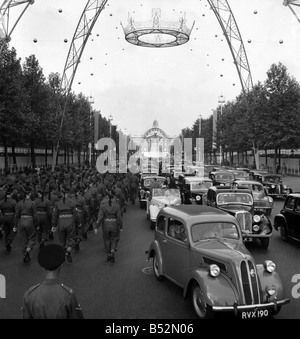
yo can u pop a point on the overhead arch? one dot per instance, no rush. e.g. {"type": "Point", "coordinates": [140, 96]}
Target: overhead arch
{"type": "Point", "coordinates": [90, 15]}
{"type": "Point", "coordinates": [6, 28]}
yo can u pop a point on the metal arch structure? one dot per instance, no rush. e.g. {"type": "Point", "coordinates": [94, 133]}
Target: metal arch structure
{"type": "Point", "coordinates": [83, 30]}
{"type": "Point", "coordinates": [5, 29]}
{"type": "Point", "coordinates": [234, 39]}
{"type": "Point", "coordinates": [288, 3]}
{"type": "Point", "coordinates": [89, 17]}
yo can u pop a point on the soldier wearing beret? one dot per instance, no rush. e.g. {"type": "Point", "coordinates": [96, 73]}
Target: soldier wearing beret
{"type": "Point", "coordinates": [51, 299]}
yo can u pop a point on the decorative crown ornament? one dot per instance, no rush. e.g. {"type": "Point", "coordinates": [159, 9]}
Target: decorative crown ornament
{"type": "Point", "coordinates": [157, 33]}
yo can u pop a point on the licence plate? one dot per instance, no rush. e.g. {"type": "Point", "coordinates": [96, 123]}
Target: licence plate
{"type": "Point", "coordinates": [254, 314]}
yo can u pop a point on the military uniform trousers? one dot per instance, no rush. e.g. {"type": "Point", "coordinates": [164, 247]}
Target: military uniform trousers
{"type": "Point", "coordinates": [111, 234]}
{"type": "Point", "coordinates": [80, 225]}
{"type": "Point", "coordinates": [27, 230]}
{"type": "Point", "coordinates": [67, 231]}
{"type": "Point", "coordinates": [8, 225]}
{"type": "Point", "coordinates": [43, 228]}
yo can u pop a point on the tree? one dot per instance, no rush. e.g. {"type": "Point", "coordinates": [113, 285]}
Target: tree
{"type": "Point", "coordinates": [13, 100]}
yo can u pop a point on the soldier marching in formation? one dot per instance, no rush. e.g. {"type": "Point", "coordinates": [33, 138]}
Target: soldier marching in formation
{"type": "Point", "coordinates": [64, 204]}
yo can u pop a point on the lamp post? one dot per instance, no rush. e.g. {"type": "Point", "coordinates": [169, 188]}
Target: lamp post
{"type": "Point", "coordinates": [221, 101]}
{"type": "Point", "coordinates": [110, 119]}
{"type": "Point", "coordinates": [91, 101]}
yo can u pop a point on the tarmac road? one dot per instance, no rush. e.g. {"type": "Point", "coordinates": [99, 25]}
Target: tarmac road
{"type": "Point", "coordinates": [128, 288]}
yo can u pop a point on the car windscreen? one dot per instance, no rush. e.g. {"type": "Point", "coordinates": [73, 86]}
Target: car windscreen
{"type": "Point", "coordinates": [198, 185]}
{"type": "Point", "coordinates": [208, 230]}
{"type": "Point", "coordinates": [224, 176]}
{"type": "Point", "coordinates": [272, 179]}
{"type": "Point", "coordinates": [234, 198]}
{"type": "Point", "coordinates": [161, 192]}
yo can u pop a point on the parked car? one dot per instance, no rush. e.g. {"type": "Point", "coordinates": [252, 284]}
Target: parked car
{"type": "Point", "coordinates": [201, 250]}
{"type": "Point", "coordinates": [222, 177]}
{"type": "Point", "coordinates": [262, 201]}
{"type": "Point", "coordinates": [239, 202]}
{"type": "Point", "coordinates": [239, 174]}
{"type": "Point", "coordinates": [287, 222]}
{"type": "Point", "coordinates": [144, 188]}
{"type": "Point", "coordinates": [161, 197]}
{"type": "Point", "coordinates": [194, 190]}
{"type": "Point", "coordinates": [273, 184]}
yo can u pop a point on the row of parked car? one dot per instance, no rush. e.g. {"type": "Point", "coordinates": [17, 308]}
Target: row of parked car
{"type": "Point", "coordinates": [201, 229]}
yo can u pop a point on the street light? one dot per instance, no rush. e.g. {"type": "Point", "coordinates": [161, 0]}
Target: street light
{"type": "Point", "coordinates": [91, 101]}
{"type": "Point", "coordinates": [221, 101]}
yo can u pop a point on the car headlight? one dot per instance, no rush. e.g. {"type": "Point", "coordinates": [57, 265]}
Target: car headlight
{"type": "Point", "coordinates": [270, 200]}
{"type": "Point", "coordinates": [271, 290]}
{"type": "Point", "coordinates": [269, 266]}
{"type": "Point", "coordinates": [255, 228]}
{"type": "Point", "coordinates": [256, 218]}
{"type": "Point", "coordinates": [198, 198]}
{"type": "Point", "coordinates": [222, 184]}
{"type": "Point", "coordinates": [273, 186]}
{"type": "Point", "coordinates": [214, 270]}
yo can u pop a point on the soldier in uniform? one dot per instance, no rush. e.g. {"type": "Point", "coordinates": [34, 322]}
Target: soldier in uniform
{"type": "Point", "coordinates": [51, 299]}
{"type": "Point", "coordinates": [7, 210]}
{"type": "Point", "coordinates": [64, 218]}
{"type": "Point", "coordinates": [44, 217]}
{"type": "Point", "coordinates": [26, 221]}
{"type": "Point", "coordinates": [111, 221]}
{"type": "Point", "coordinates": [82, 214]}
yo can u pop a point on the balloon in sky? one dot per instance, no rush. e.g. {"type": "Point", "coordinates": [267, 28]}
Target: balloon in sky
{"type": "Point", "coordinates": [280, 41]}
{"type": "Point", "coordinates": [34, 40]}
{"type": "Point", "coordinates": [66, 40]}
{"type": "Point", "coordinates": [60, 10]}
{"type": "Point", "coordinates": [255, 12]}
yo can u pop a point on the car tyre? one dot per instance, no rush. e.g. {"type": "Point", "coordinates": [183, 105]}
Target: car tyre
{"type": "Point", "coordinates": [273, 312]}
{"type": "Point", "coordinates": [201, 308]}
{"type": "Point", "coordinates": [264, 242]}
{"type": "Point", "coordinates": [158, 276]}
{"type": "Point", "coordinates": [283, 232]}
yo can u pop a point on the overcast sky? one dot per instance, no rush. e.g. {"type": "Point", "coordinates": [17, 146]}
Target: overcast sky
{"type": "Point", "coordinates": [173, 85]}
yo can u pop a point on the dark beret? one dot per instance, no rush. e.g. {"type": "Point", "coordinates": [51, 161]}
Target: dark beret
{"type": "Point", "coordinates": [51, 257]}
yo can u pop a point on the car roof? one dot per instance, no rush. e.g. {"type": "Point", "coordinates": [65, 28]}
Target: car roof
{"type": "Point", "coordinates": [251, 182]}
{"type": "Point", "coordinates": [195, 178]}
{"type": "Point", "coordinates": [194, 210]}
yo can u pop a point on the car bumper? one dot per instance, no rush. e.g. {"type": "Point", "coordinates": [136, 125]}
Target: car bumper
{"type": "Point", "coordinates": [239, 308]}
{"type": "Point", "coordinates": [245, 235]}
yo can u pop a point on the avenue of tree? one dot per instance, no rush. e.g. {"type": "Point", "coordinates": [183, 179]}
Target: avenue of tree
{"type": "Point", "coordinates": [265, 118]}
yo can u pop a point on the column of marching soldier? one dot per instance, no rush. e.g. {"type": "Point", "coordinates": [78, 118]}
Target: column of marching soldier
{"type": "Point", "coordinates": [69, 202]}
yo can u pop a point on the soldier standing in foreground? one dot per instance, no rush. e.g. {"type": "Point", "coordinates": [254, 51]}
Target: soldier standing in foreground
{"type": "Point", "coordinates": [50, 299]}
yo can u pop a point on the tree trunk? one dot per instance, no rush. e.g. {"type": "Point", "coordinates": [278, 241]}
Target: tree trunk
{"type": "Point", "coordinates": [65, 155]}
{"type": "Point", "coordinates": [33, 162]}
{"type": "Point", "coordinates": [13, 147]}
{"type": "Point", "coordinates": [266, 157]}
{"type": "Point", "coordinates": [67, 151]}
{"type": "Point", "coordinates": [46, 156]}
{"type": "Point", "coordinates": [5, 154]}
{"type": "Point", "coordinates": [79, 155]}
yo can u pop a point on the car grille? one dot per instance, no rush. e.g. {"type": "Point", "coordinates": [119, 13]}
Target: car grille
{"type": "Point", "coordinates": [250, 283]}
{"type": "Point", "coordinates": [245, 220]}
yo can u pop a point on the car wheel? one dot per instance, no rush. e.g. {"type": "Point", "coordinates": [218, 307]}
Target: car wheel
{"type": "Point", "coordinates": [264, 242]}
{"type": "Point", "coordinates": [152, 225]}
{"type": "Point", "coordinates": [158, 276]}
{"type": "Point", "coordinates": [283, 232]}
{"type": "Point", "coordinates": [201, 308]}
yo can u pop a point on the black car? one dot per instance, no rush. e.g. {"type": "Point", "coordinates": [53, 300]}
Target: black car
{"type": "Point", "coordinates": [194, 190]}
{"type": "Point", "coordinates": [273, 185]}
{"type": "Point", "coordinates": [287, 222]}
{"type": "Point", "coordinates": [222, 177]}
{"type": "Point", "coordinates": [239, 202]}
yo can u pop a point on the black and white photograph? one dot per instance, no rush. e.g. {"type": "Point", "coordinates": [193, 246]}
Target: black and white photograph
{"type": "Point", "coordinates": [150, 162]}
